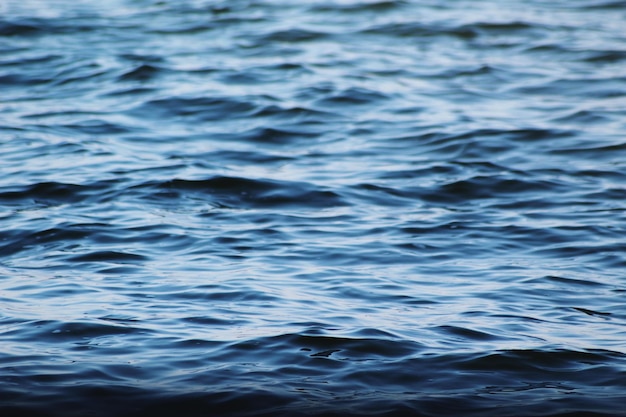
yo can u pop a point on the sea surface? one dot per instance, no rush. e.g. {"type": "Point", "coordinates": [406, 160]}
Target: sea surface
{"type": "Point", "coordinates": [312, 208]}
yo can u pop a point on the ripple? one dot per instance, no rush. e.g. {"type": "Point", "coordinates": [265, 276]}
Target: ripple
{"type": "Point", "coordinates": [243, 192]}
{"type": "Point", "coordinates": [205, 109]}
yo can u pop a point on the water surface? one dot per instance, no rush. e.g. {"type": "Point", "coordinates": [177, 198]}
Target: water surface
{"type": "Point", "coordinates": [307, 208]}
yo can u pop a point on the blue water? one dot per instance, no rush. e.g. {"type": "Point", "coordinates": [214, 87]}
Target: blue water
{"type": "Point", "coordinates": [312, 208]}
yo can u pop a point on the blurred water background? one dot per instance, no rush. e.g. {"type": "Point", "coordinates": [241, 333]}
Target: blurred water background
{"type": "Point", "coordinates": [312, 207]}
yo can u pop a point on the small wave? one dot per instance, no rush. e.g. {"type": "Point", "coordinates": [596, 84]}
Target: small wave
{"type": "Point", "coordinates": [380, 6]}
{"type": "Point", "coordinates": [488, 187]}
{"type": "Point", "coordinates": [108, 256]}
{"type": "Point", "coordinates": [291, 35]}
{"type": "Point", "coordinates": [55, 193]}
{"type": "Point", "coordinates": [243, 192]}
{"type": "Point", "coordinates": [418, 30]}
{"type": "Point", "coordinates": [200, 108]}
{"type": "Point", "coordinates": [143, 72]}
{"type": "Point", "coordinates": [30, 27]}
{"type": "Point", "coordinates": [351, 97]}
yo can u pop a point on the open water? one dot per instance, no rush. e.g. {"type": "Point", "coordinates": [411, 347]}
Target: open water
{"type": "Point", "coordinates": [312, 208]}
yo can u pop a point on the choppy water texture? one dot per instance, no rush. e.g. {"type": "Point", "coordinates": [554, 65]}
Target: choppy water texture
{"type": "Point", "coordinates": [316, 207]}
